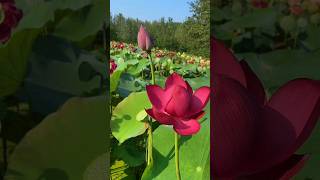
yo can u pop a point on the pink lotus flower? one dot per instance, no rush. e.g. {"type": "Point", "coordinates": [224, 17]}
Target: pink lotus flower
{"type": "Point", "coordinates": [178, 105]}
{"type": "Point", "coordinates": [113, 66]}
{"type": "Point", "coordinates": [12, 16]}
{"type": "Point", "coordinates": [252, 137]}
{"type": "Point", "coordinates": [121, 45]}
{"type": "Point", "coordinates": [261, 4]}
{"type": "Point", "coordinates": [144, 40]}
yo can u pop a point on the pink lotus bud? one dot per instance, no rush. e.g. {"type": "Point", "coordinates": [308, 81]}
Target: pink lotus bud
{"type": "Point", "coordinates": [144, 40]}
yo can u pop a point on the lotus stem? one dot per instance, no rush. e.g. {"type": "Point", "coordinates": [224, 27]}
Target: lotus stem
{"type": "Point", "coordinates": [152, 70]}
{"type": "Point", "coordinates": [176, 137]}
{"type": "Point", "coordinates": [150, 137]}
{"type": "Point", "coordinates": [150, 141]}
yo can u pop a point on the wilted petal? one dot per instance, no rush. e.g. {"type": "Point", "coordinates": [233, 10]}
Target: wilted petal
{"type": "Point", "coordinates": [225, 63]}
{"type": "Point", "coordinates": [199, 100]}
{"type": "Point", "coordinates": [188, 127]}
{"type": "Point", "coordinates": [161, 117]}
{"type": "Point", "coordinates": [179, 103]}
{"type": "Point", "coordinates": [284, 171]}
{"type": "Point", "coordinates": [254, 85]}
{"type": "Point", "coordinates": [233, 124]}
{"type": "Point", "coordinates": [299, 102]}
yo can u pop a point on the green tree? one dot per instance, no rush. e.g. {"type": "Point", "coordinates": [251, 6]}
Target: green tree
{"type": "Point", "coordinates": [191, 36]}
{"type": "Point", "coordinates": [198, 28]}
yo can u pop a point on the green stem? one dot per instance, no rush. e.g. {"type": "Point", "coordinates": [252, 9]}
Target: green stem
{"type": "Point", "coordinates": [142, 74]}
{"type": "Point", "coordinates": [150, 138]}
{"type": "Point", "coordinates": [150, 141]}
{"type": "Point", "coordinates": [176, 136]}
{"type": "Point", "coordinates": [152, 70]}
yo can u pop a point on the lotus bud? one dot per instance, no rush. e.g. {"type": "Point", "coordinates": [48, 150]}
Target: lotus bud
{"type": "Point", "coordinates": [144, 40]}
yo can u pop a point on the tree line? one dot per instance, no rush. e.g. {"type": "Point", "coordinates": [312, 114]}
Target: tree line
{"type": "Point", "coordinates": [191, 36]}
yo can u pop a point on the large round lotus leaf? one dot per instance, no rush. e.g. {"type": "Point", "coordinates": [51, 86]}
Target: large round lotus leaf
{"type": "Point", "coordinates": [65, 144]}
{"type": "Point", "coordinates": [37, 13]}
{"type": "Point", "coordinates": [124, 123]}
{"type": "Point", "coordinates": [88, 21]}
{"type": "Point", "coordinates": [13, 60]}
{"type": "Point", "coordinates": [97, 169]}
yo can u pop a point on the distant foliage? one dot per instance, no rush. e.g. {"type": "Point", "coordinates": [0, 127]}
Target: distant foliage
{"type": "Point", "coordinates": [191, 36]}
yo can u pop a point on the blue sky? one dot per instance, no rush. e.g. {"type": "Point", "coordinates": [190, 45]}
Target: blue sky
{"type": "Point", "coordinates": [179, 10]}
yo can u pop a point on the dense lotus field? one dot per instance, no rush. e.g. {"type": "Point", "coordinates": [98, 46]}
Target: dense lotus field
{"type": "Point", "coordinates": [165, 62]}
{"type": "Point", "coordinates": [130, 73]}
